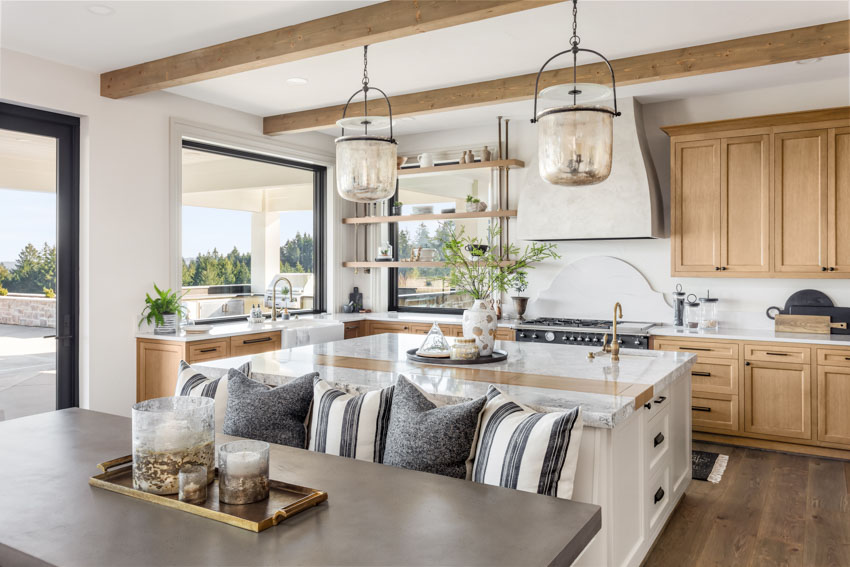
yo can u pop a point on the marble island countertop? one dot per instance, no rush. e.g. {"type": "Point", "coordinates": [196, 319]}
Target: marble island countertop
{"type": "Point", "coordinates": [535, 374]}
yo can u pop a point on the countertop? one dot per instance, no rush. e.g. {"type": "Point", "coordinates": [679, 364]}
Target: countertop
{"type": "Point", "coordinates": [539, 375]}
{"type": "Point", "coordinates": [375, 514]}
{"type": "Point", "coordinates": [752, 335]}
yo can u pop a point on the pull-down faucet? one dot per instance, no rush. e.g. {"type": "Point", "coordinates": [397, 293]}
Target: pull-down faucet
{"type": "Point", "coordinates": [275, 281]}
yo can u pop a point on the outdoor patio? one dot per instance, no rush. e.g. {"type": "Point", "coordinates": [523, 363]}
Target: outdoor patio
{"type": "Point", "coordinates": [27, 371]}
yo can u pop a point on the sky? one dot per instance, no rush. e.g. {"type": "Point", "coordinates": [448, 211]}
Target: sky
{"type": "Point", "coordinates": [25, 216]}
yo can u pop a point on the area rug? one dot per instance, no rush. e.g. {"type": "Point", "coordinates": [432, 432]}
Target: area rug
{"type": "Point", "coordinates": [708, 466]}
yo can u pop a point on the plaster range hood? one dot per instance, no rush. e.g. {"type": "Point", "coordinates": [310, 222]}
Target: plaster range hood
{"type": "Point", "coordinates": [626, 205]}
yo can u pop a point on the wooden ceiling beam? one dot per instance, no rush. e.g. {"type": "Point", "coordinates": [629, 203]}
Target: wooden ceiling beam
{"type": "Point", "coordinates": [743, 53]}
{"type": "Point", "coordinates": [338, 32]}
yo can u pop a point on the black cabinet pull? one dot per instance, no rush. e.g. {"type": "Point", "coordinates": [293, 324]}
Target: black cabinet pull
{"type": "Point", "coordinates": [831, 268]}
{"type": "Point", "coordinates": [647, 405]}
{"type": "Point", "coordinates": [847, 358]}
{"type": "Point", "coordinates": [778, 353]}
{"type": "Point", "coordinates": [659, 495]}
{"type": "Point", "coordinates": [716, 268]}
{"type": "Point", "coordinates": [659, 439]}
{"type": "Point", "coordinates": [253, 341]}
{"type": "Point", "coordinates": [700, 373]}
{"type": "Point", "coordinates": [701, 408]}
{"type": "Point", "coordinates": [723, 268]}
{"type": "Point", "coordinates": [747, 363]}
{"type": "Point", "coordinates": [660, 399]}
{"type": "Point", "coordinates": [823, 268]}
{"type": "Point", "coordinates": [208, 349]}
{"type": "Point", "coordinates": [694, 348]}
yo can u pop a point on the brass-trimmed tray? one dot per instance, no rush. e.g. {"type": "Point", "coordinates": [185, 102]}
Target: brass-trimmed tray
{"type": "Point", "coordinates": [284, 501]}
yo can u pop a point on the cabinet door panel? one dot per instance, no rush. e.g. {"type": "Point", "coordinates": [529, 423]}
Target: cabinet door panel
{"type": "Point", "coordinates": [777, 399]}
{"type": "Point", "coordinates": [696, 228]}
{"type": "Point", "coordinates": [834, 404]}
{"type": "Point", "coordinates": [800, 195]}
{"type": "Point", "coordinates": [157, 363]}
{"type": "Point", "coordinates": [839, 200]}
{"type": "Point", "coordinates": [745, 204]}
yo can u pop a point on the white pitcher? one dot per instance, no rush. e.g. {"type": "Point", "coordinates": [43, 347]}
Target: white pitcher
{"type": "Point", "coordinates": [426, 160]}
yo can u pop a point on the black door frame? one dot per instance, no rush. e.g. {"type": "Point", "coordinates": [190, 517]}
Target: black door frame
{"type": "Point", "coordinates": [66, 130]}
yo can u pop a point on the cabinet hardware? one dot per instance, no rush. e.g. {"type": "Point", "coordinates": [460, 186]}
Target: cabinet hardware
{"type": "Point", "coordinates": [660, 399]}
{"type": "Point", "coordinates": [659, 439]}
{"type": "Point", "coordinates": [647, 405]}
{"type": "Point", "coordinates": [701, 408]}
{"type": "Point", "coordinates": [659, 495]}
{"type": "Point", "coordinates": [351, 328]}
{"type": "Point", "coordinates": [695, 348]}
{"type": "Point", "coordinates": [723, 268]}
{"type": "Point", "coordinates": [747, 363]}
{"type": "Point", "coordinates": [847, 358]}
{"type": "Point", "coordinates": [823, 268]}
{"type": "Point", "coordinates": [253, 341]}
{"type": "Point", "coordinates": [778, 353]}
{"type": "Point", "coordinates": [208, 349]}
{"type": "Point", "coordinates": [832, 268]}
{"type": "Point", "coordinates": [701, 374]}
{"type": "Point", "coordinates": [716, 268]}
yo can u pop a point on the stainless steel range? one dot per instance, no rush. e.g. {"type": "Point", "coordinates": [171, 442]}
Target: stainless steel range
{"type": "Point", "coordinates": [587, 332]}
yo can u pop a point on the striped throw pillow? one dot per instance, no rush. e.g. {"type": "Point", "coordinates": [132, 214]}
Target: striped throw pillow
{"type": "Point", "coordinates": [527, 450]}
{"type": "Point", "coordinates": [190, 382]}
{"type": "Point", "coordinates": [349, 425]}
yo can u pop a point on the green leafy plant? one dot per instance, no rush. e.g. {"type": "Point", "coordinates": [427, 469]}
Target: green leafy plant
{"type": "Point", "coordinates": [166, 303]}
{"type": "Point", "coordinates": [484, 271]}
{"type": "Point", "coordinates": [472, 199]}
{"type": "Point", "coordinates": [49, 293]}
{"type": "Point", "coordinates": [397, 204]}
{"type": "Point", "coordinates": [519, 282]}
{"type": "Point", "coordinates": [3, 290]}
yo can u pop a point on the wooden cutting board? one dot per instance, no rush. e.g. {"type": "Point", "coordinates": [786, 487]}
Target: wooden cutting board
{"type": "Point", "coordinates": [806, 324]}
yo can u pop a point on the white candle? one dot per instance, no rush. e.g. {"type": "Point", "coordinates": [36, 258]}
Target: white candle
{"type": "Point", "coordinates": [244, 463]}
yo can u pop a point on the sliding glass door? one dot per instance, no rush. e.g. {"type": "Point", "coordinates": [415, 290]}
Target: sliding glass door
{"type": "Point", "coordinates": [39, 261]}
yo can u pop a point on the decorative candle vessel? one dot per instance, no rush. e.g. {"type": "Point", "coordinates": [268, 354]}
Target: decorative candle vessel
{"type": "Point", "coordinates": [169, 434]}
{"type": "Point", "coordinates": [479, 323]}
{"type": "Point", "coordinates": [192, 482]}
{"type": "Point", "coordinates": [243, 472]}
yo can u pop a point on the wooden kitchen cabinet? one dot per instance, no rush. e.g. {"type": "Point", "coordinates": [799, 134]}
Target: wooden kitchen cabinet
{"type": "Point", "coordinates": [255, 344]}
{"type": "Point", "coordinates": [767, 196]}
{"type": "Point", "coordinates": [777, 399]}
{"type": "Point", "coordinates": [353, 329]}
{"type": "Point", "coordinates": [834, 404]}
{"type": "Point", "coordinates": [449, 330]}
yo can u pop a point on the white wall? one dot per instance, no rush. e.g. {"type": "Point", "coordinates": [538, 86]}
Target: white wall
{"type": "Point", "coordinates": [747, 298]}
{"type": "Point", "coordinates": [124, 208]}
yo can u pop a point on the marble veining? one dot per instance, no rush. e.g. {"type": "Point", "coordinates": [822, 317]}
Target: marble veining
{"type": "Point", "coordinates": [753, 335]}
{"type": "Point", "coordinates": [652, 368]}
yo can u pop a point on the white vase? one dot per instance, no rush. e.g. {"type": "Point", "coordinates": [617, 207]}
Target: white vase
{"type": "Point", "coordinates": [480, 323]}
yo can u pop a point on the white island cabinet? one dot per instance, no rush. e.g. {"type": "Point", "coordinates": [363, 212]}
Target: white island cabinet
{"type": "Point", "coordinates": [635, 455]}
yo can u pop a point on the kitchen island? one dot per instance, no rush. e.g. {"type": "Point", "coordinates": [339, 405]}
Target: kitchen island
{"type": "Point", "coordinates": [635, 455]}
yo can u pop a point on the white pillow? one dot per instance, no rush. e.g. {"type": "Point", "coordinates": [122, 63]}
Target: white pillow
{"type": "Point", "coordinates": [350, 425]}
{"type": "Point", "coordinates": [190, 382]}
{"type": "Point", "coordinates": [527, 450]}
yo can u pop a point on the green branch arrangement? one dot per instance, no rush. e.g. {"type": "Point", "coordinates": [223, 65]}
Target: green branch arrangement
{"type": "Point", "coordinates": [483, 272]}
{"type": "Point", "coordinates": [166, 303]}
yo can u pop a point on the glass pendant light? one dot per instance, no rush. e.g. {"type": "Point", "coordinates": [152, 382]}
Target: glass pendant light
{"type": "Point", "coordinates": [575, 141]}
{"type": "Point", "coordinates": [366, 168]}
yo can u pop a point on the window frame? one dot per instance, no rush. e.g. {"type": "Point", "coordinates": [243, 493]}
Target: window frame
{"type": "Point", "coordinates": [320, 173]}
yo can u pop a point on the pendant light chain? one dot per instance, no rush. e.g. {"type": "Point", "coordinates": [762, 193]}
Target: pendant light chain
{"type": "Point", "coordinates": [574, 41]}
{"type": "Point", "coordinates": [365, 83]}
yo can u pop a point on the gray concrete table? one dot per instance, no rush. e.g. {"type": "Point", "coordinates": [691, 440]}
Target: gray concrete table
{"type": "Point", "coordinates": [375, 514]}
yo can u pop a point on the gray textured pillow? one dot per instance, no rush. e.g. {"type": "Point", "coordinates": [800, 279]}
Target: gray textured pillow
{"type": "Point", "coordinates": [424, 437]}
{"type": "Point", "coordinates": [275, 415]}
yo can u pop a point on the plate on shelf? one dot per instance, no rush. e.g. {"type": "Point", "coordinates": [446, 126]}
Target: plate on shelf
{"type": "Point", "coordinates": [197, 329]}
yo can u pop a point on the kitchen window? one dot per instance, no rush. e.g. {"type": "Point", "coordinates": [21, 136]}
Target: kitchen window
{"type": "Point", "coordinates": [247, 218]}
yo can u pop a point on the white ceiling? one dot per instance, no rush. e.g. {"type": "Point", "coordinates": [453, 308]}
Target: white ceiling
{"type": "Point", "coordinates": [498, 47]}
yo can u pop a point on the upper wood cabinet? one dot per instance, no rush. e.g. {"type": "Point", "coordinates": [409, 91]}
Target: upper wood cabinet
{"type": "Point", "coordinates": [762, 197]}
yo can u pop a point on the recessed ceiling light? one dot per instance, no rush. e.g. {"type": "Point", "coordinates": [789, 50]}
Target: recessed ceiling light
{"type": "Point", "coordinates": [101, 9]}
{"type": "Point", "coordinates": [296, 81]}
{"type": "Point", "coordinates": [807, 61]}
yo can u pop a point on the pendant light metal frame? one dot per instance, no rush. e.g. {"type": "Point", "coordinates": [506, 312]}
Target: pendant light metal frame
{"type": "Point", "coordinates": [365, 90]}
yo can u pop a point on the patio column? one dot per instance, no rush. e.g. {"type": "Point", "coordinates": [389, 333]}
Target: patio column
{"type": "Point", "coordinates": [265, 249]}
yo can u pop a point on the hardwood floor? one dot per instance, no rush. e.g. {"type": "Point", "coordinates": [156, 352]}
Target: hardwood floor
{"type": "Point", "coordinates": [770, 509]}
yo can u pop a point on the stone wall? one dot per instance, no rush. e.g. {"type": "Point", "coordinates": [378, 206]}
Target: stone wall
{"type": "Point", "coordinates": [29, 311]}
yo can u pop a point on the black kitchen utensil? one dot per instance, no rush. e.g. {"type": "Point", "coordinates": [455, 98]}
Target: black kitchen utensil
{"type": "Point", "coordinates": [836, 314]}
{"type": "Point", "coordinates": [803, 298]}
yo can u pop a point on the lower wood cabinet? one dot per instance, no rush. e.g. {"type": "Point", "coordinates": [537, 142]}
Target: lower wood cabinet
{"type": "Point", "coordinates": [833, 400]}
{"type": "Point", "coordinates": [778, 399]}
{"type": "Point", "coordinates": [353, 330]}
{"type": "Point", "coordinates": [714, 411]}
{"type": "Point", "coordinates": [255, 344]}
{"type": "Point", "coordinates": [378, 327]}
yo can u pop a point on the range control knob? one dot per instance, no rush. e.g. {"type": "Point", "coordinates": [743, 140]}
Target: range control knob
{"type": "Point", "coordinates": [572, 338]}
{"type": "Point", "coordinates": [550, 336]}
{"type": "Point", "coordinates": [619, 341]}
{"type": "Point", "coordinates": [522, 335]}
{"type": "Point", "coordinates": [534, 336]}
{"type": "Point", "coordinates": [587, 339]}
{"type": "Point", "coordinates": [595, 339]}
{"type": "Point", "coordinates": [637, 342]}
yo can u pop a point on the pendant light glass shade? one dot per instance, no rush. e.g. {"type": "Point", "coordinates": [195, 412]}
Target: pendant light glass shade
{"type": "Point", "coordinates": [575, 144]}
{"type": "Point", "coordinates": [366, 168]}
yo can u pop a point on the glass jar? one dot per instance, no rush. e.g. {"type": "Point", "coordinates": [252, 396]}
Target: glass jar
{"type": "Point", "coordinates": [464, 349]}
{"type": "Point", "coordinates": [679, 306]}
{"type": "Point", "coordinates": [366, 168]}
{"type": "Point", "coordinates": [169, 434]}
{"type": "Point", "coordinates": [692, 312]}
{"type": "Point", "coordinates": [575, 144]}
{"type": "Point", "coordinates": [708, 312]}
{"type": "Point", "coordinates": [243, 472]}
{"type": "Point", "coordinates": [193, 484]}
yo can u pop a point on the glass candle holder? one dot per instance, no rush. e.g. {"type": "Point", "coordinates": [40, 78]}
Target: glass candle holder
{"type": "Point", "coordinates": [193, 484]}
{"type": "Point", "coordinates": [464, 349]}
{"type": "Point", "coordinates": [243, 472]}
{"type": "Point", "coordinates": [169, 434]}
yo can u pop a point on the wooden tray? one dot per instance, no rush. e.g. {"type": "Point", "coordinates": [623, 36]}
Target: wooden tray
{"type": "Point", "coordinates": [497, 356]}
{"type": "Point", "coordinates": [285, 500]}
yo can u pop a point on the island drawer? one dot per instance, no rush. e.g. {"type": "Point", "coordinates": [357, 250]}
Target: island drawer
{"type": "Point", "coordinates": [773, 353]}
{"type": "Point", "coordinates": [656, 405]}
{"type": "Point", "coordinates": [658, 495]}
{"type": "Point", "coordinates": [379, 327]}
{"type": "Point", "coordinates": [698, 347]}
{"type": "Point", "coordinates": [715, 375]}
{"type": "Point", "coordinates": [352, 329]}
{"type": "Point", "coordinates": [254, 344]}
{"type": "Point", "coordinates": [505, 334]}
{"type": "Point", "coordinates": [834, 357]}
{"type": "Point", "coordinates": [718, 411]}
{"type": "Point", "coordinates": [658, 441]}
{"type": "Point", "coordinates": [207, 350]}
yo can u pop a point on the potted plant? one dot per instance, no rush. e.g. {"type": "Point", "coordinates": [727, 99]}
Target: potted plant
{"type": "Point", "coordinates": [520, 284]}
{"type": "Point", "coordinates": [474, 204]}
{"type": "Point", "coordinates": [484, 273]}
{"type": "Point", "coordinates": [163, 310]}
{"type": "Point", "coordinates": [396, 208]}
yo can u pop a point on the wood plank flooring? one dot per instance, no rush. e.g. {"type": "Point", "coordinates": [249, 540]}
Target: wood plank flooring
{"type": "Point", "coordinates": [770, 509]}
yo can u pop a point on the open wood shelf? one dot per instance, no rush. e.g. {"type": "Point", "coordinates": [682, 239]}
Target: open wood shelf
{"type": "Point", "coordinates": [402, 264]}
{"type": "Point", "coordinates": [432, 216]}
{"type": "Point", "coordinates": [509, 163]}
